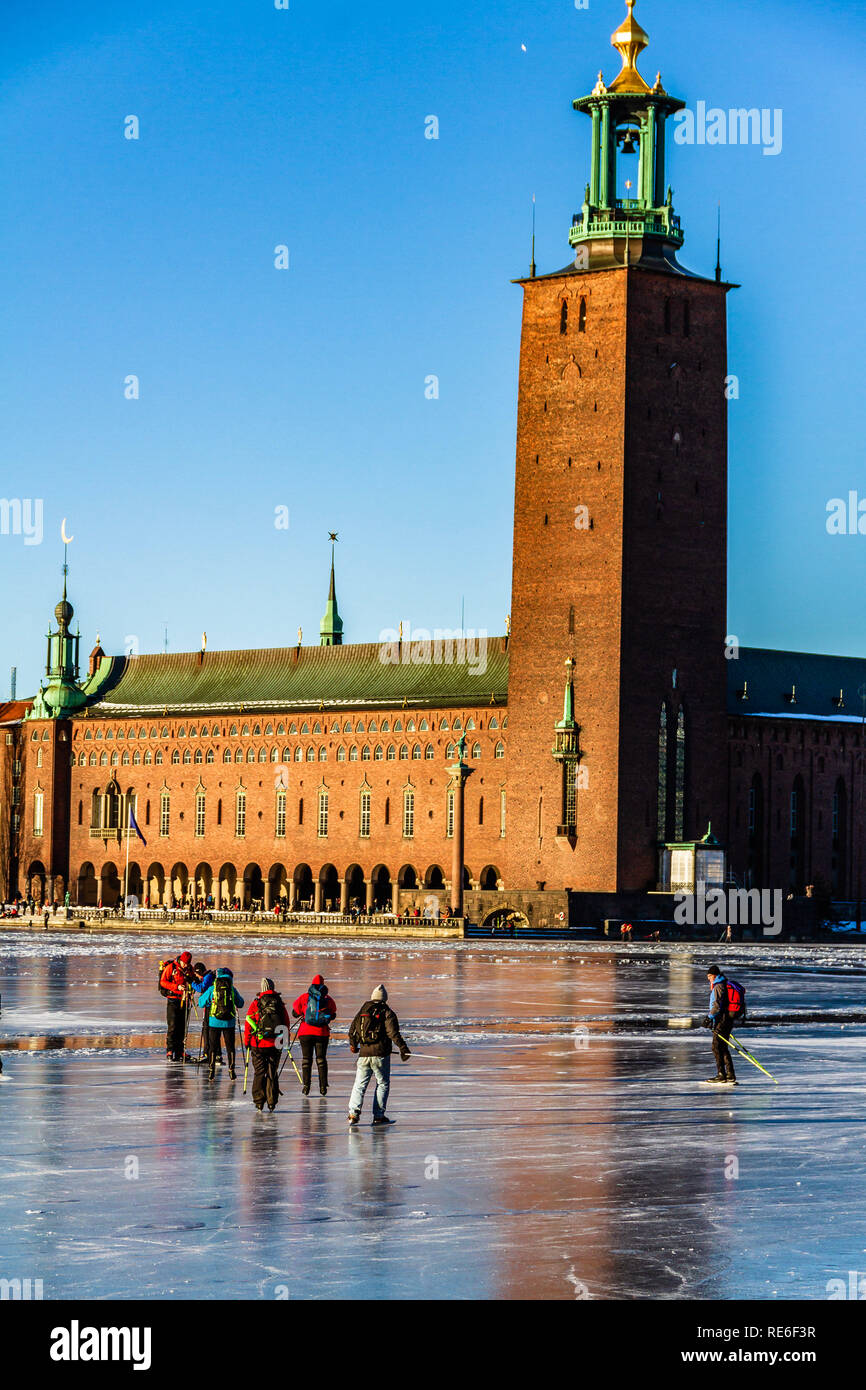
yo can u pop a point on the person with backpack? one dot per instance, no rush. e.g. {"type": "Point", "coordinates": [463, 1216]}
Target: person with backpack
{"type": "Point", "coordinates": [175, 983]}
{"type": "Point", "coordinates": [202, 980]}
{"type": "Point", "coordinates": [267, 1016]}
{"type": "Point", "coordinates": [374, 1031]}
{"type": "Point", "coordinates": [316, 1009]}
{"type": "Point", "coordinates": [220, 1003]}
{"type": "Point", "coordinates": [727, 1007]}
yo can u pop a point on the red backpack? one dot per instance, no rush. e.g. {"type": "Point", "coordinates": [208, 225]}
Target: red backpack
{"type": "Point", "coordinates": [736, 998]}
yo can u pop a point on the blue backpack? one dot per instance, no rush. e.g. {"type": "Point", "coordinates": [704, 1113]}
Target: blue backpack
{"type": "Point", "coordinates": [314, 1013]}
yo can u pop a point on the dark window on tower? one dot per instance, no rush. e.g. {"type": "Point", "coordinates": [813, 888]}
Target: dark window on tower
{"type": "Point", "coordinates": [387, 810]}
{"type": "Point", "coordinates": [80, 813]}
{"type": "Point", "coordinates": [147, 813]}
{"type": "Point", "coordinates": [581, 318]}
{"type": "Point", "coordinates": [219, 810]}
{"type": "Point", "coordinates": [662, 829]}
{"type": "Point", "coordinates": [481, 810]}
{"type": "Point", "coordinates": [680, 788]}
{"type": "Point", "coordinates": [301, 811]}
{"type": "Point", "coordinates": [667, 315]}
{"type": "Point", "coordinates": [563, 317]}
{"type": "Point", "coordinates": [571, 619]}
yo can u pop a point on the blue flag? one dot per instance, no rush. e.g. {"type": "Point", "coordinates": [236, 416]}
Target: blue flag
{"type": "Point", "coordinates": [133, 825]}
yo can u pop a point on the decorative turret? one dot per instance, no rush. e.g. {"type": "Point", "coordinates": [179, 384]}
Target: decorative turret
{"type": "Point", "coordinates": [331, 626]}
{"type": "Point", "coordinates": [567, 752]}
{"type": "Point", "coordinates": [60, 694]}
{"type": "Point", "coordinates": [628, 117]}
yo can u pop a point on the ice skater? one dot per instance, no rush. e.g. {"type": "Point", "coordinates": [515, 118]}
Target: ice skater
{"type": "Point", "coordinates": [374, 1031]}
{"type": "Point", "coordinates": [175, 983]}
{"type": "Point", "coordinates": [727, 1007]}
{"type": "Point", "coordinates": [316, 1010]}
{"type": "Point", "coordinates": [220, 1003]}
{"type": "Point", "coordinates": [262, 1027]}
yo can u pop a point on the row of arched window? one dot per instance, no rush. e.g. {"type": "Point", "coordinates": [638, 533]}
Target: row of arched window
{"type": "Point", "coordinates": [353, 754]}
{"type": "Point", "coordinates": [581, 316]}
{"type": "Point", "coordinates": [360, 726]}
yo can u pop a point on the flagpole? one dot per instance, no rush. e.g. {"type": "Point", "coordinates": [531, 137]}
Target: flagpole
{"type": "Point", "coordinates": [126, 871]}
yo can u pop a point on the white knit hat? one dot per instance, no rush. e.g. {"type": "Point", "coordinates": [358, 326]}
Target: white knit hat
{"type": "Point", "coordinates": [380, 994]}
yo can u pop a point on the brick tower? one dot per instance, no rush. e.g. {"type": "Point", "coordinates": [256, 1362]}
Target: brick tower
{"type": "Point", "coordinates": [619, 526]}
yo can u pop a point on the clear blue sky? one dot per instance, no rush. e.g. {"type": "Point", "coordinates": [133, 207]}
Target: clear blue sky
{"type": "Point", "coordinates": [305, 388]}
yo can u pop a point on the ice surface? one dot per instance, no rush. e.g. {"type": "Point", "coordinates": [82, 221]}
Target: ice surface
{"type": "Point", "coordinates": [570, 1163]}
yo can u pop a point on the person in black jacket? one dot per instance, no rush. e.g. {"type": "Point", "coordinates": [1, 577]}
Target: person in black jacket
{"type": "Point", "coordinates": [374, 1031]}
{"type": "Point", "coordinates": [720, 1020]}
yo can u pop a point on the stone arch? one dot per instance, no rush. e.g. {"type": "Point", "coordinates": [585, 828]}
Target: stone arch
{"type": "Point", "coordinates": [202, 885]}
{"type": "Point", "coordinates": [383, 890]}
{"type": "Point", "coordinates": [154, 891]}
{"type": "Point", "coordinates": [329, 887]}
{"type": "Point", "coordinates": [407, 877]}
{"type": "Point", "coordinates": [135, 882]}
{"type": "Point", "coordinates": [254, 886]}
{"type": "Point", "coordinates": [277, 886]}
{"type": "Point", "coordinates": [88, 885]}
{"type": "Point", "coordinates": [356, 887]}
{"type": "Point", "coordinates": [227, 885]}
{"type": "Point", "coordinates": [489, 880]}
{"type": "Point", "coordinates": [109, 884]}
{"type": "Point", "coordinates": [434, 877]}
{"type": "Point", "coordinates": [36, 881]}
{"type": "Point", "coordinates": [505, 919]}
{"type": "Point", "coordinates": [303, 881]}
{"type": "Point", "coordinates": [178, 885]}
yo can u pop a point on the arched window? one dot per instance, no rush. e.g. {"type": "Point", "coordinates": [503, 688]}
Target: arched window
{"type": "Point", "coordinates": [563, 317]}
{"type": "Point", "coordinates": [240, 813]}
{"type": "Point", "coordinates": [404, 752]}
{"type": "Point", "coordinates": [322, 829]}
{"type": "Point", "coordinates": [311, 755]}
{"type": "Point", "coordinates": [299, 754]}
{"type": "Point", "coordinates": [227, 755]}
{"type": "Point", "coordinates": [391, 754]}
{"type": "Point", "coordinates": [429, 752]}
{"type": "Point", "coordinates": [199, 756]}
{"type": "Point", "coordinates": [199, 814]}
{"type": "Point", "coordinates": [280, 823]}
{"type": "Point", "coordinates": [476, 750]}
{"type": "Point", "coordinates": [416, 751]}
{"type": "Point", "coordinates": [365, 754]}
{"type": "Point", "coordinates": [38, 812]}
{"type": "Point", "coordinates": [364, 814]}
{"type": "Point", "coordinates": [450, 752]}
{"type": "Point", "coordinates": [209, 757]}
{"type": "Point", "coordinates": [581, 317]}
{"type": "Point", "coordinates": [341, 754]}
{"type": "Point", "coordinates": [164, 813]}
{"type": "Point", "coordinates": [187, 755]}
{"type": "Point", "coordinates": [353, 754]}
{"type": "Point", "coordinates": [275, 755]}
{"type": "Point", "coordinates": [323, 754]}
{"type": "Point", "coordinates": [499, 750]}
{"type": "Point", "coordinates": [378, 753]}
{"type": "Point", "coordinates": [408, 814]}
{"type": "Point", "coordinates": [263, 755]}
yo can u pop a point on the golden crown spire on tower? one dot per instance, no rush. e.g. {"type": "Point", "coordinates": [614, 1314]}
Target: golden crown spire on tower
{"type": "Point", "coordinates": [629, 40]}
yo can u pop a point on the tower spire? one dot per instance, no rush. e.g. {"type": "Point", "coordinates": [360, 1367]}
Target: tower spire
{"type": "Point", "coordinates": [331, 626]}
{"type": "Point", "coordinates": [719, 243]}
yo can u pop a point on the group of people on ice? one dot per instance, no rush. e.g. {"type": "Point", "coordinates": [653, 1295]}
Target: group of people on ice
{"type": "Point", "coordinates": [193, 989]}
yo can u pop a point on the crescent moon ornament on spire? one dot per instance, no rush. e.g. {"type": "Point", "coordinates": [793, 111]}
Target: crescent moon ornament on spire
{"type": "Point", "coordinates": [67, 540]}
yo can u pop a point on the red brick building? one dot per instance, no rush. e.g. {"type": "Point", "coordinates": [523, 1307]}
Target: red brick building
{"type": "Point", "coordinates": [612, 720]}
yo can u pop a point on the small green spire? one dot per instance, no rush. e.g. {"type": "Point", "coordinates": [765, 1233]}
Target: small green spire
{"type": "Point", "coordinates": [567, 721]}
{"type": "Point", "coordinates": [331, 626]}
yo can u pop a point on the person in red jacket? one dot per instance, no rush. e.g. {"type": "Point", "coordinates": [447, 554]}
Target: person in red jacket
{"type": "Point", "coordinates": [315, 1009]}
{"type": "Point", "coordinates": [175, 982]}
{"type": "Point", "coordinates": [266, 1029]}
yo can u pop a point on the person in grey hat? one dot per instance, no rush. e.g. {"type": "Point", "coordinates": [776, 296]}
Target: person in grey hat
{"type": "Point", "coordinates": [374, 1032]}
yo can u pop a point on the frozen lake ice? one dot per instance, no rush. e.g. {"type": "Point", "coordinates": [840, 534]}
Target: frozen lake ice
{"type": "Point", "coordinates": [555, 1144]}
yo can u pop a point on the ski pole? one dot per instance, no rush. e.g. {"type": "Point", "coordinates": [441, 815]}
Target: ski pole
{"type": "Point", "coordinates": [289, 1049]}
{"type": "Point", "coordinates": [749, 1058]}
{"type": "Point", "coordinates": [246, 1065]}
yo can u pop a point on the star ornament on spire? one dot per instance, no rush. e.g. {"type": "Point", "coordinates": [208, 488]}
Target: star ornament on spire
{"type": "Point", "coordinates": [332, 536]}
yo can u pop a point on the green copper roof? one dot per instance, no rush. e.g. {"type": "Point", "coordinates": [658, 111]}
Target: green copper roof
{"type": "Point", "coordinates": [287, 678]}
{"type": "Point", "coordinates": [770, 679]}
